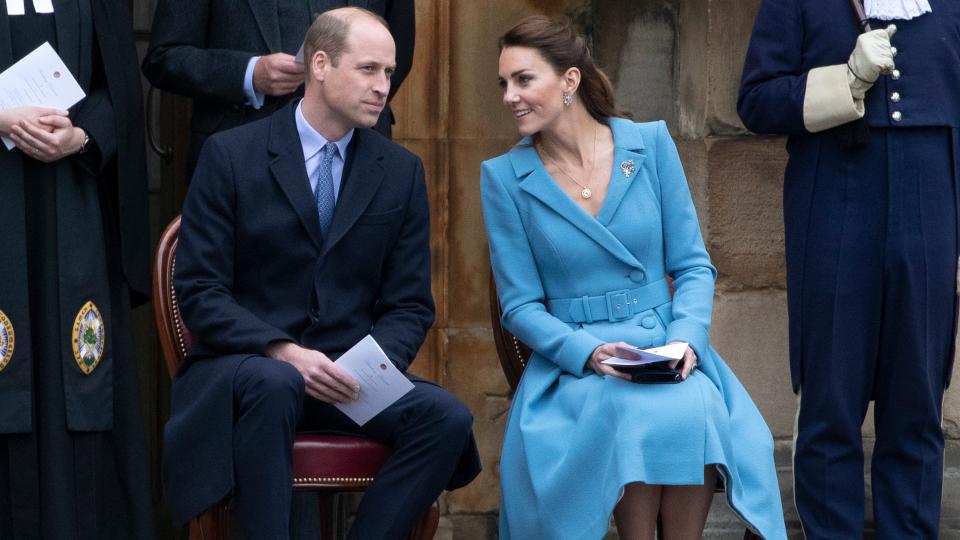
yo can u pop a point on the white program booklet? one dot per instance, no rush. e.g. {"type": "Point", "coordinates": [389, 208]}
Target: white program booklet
{"type": "Point", "coordinates": [633, 356]}
{"type": "Point", "coordinates": [381, 383]}
{"type": "Point", "coordinates": [39, 79]}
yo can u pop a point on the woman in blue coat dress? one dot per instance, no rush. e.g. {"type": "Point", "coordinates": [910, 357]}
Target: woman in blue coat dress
{"type": "Point", "coordinates": [586, 215]}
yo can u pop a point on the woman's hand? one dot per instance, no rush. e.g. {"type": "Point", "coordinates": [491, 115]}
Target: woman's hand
{"type": "Point", "coordinates": [601, 353]}
{"type": "Point", "coordinates": [50, 138]}
{"type": "Point", "coordinates": [689, 362]}
{"type": "Point", "coordinates": [17, 115]}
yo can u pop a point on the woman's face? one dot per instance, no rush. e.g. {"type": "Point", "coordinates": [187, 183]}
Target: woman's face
{"type": "Point", "coordinates": [532, 90]}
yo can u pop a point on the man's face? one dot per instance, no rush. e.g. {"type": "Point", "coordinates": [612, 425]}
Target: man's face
{"type": "Point", "coordinates": [355, 90]}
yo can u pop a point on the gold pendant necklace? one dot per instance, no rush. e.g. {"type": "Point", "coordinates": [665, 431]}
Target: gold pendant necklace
{"type": "Point", "coordinates": [585, 191]}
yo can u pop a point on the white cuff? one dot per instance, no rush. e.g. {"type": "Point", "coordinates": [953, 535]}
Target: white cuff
{"type": "Point", "coordinates": [254, 98]}
{"type": "Point", "coordinates": [828, 101]}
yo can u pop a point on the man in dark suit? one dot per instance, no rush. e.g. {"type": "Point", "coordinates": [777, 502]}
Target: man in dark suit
{"type": "Point", "coordinates": [870, 215]}
{"type": "Point", "coordinates": [235, 59]}
{"type": "Point", "coordinates": [302, 233]}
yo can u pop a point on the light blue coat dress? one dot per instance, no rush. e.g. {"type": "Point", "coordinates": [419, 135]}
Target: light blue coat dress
{"type": "Point", "coordinates": [569, 282]}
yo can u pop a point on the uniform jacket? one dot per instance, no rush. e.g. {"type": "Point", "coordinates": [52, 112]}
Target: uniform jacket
{"type": "Point", "coordinates": [200, 49]}
{"type": "Point", "coordinates": [791, 37]}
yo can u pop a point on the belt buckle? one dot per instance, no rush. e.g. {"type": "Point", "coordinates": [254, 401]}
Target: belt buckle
{"type": "Point", "coordinates": [618, 304]}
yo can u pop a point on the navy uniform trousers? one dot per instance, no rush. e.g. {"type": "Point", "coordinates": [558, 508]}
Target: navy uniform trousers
{"type": "Point", "coordinates": [877, 322]}
{"type": "Point", "coordinates": [427, 429]}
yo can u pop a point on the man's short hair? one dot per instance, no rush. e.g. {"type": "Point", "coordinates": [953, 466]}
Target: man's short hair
{"type": "Point", "coordinates": [329, 31]}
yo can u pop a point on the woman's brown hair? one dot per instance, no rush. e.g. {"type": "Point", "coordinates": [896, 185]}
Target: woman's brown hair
{"type": "Point", "coordinates": [563, 48]}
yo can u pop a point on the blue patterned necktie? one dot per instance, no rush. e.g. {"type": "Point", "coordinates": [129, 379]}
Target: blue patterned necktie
{"type": "Point", "coordinates": [325, 199]}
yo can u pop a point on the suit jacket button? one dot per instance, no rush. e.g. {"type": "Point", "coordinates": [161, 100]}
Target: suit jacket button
{"type": "Point", "coordinates": [314, 314]}
{"type": "Point", "coordinates": [648, 322]}
{"type": "Point", "coordinates": [637, 276]}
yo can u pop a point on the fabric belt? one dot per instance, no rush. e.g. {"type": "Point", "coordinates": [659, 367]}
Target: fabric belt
{"type": "Point", "coordinates": [611, 306]}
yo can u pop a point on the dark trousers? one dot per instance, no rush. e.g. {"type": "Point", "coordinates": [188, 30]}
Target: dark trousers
{"type": "Point", "coordinates": [877, 323]}
{"type": "Point", "coordinates": [427, 429]}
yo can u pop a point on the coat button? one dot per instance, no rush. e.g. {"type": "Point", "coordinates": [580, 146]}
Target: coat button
{"type": "Point", "coordinates": [894, 51]}
{"type": "Point", "coordinates": [895, 75]}
{"type": "Point", "coordinates": [637, 276]}
{"type": "Point", "coordinates": [648, 322]}
{"type": "Point", "coordinates": [315, 314]}
{"type": "Point", "coordinates": [895, 97]}
{"type": "Point", "coordinates": [897, 116]}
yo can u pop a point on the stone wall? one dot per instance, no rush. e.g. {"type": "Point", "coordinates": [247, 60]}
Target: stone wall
{"type": "Point", "coordinates": [679, 60]}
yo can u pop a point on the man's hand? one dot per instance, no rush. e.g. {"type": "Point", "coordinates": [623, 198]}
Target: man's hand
{"type": "Point", "coordinates": [323, 378]}
{"type": "Point", "coordinates": [872, 57]}
{"type": "Point", "coordinates": [277, 74]}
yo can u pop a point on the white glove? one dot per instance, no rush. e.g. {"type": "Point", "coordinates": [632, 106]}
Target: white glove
{"type": "Point", "coordinates": [872, 56]}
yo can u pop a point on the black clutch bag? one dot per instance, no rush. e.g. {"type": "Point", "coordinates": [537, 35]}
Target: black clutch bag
{"type": "Point", "coordinates": [655, 372]}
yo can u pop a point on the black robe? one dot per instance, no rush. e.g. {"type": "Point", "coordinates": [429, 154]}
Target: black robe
{"type": "Point", "coordinates": [73, 460]}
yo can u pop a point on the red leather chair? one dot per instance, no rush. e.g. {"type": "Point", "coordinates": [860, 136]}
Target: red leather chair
{"type": "Point", "coordinates": [328, 464]}
{"type": "Point", "coordinates": [514, 355]}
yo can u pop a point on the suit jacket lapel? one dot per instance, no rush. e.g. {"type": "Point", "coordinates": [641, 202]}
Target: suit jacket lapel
{"type": "Point", "coordinates": [288, 170]}
{"type": "Point", "coordinates": [537, 182]}
{"type": "Point", "coordinates": [365, 174]}
{"type": "Point", "coordinates": [265, 13]}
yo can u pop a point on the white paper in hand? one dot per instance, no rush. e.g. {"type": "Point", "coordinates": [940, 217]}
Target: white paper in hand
{"type": "Point", "coordinates": [633, 356]}
{"type": "Point", "coordinates": [39, 79]}
{"type": "Point", "coordinates": [381, 383]}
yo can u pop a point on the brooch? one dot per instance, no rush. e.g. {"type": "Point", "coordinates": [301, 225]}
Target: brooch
{"type": "Point", "coordinates": [627, 168]}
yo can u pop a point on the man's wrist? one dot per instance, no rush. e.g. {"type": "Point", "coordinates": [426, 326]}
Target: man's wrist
{"type": "Point", "coordinates": [278, 349]}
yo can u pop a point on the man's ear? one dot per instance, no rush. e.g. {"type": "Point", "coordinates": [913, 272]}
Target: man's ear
{"type": "Point", "coordinates": [319, 64]}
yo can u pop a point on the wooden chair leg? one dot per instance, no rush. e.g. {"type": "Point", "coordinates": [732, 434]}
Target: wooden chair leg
{"type": "Point", "coordinates": [214, 524]}
{"type": "Point", "coordinates": [426, 528]}
{"type": "Point", "coordinates": [328, 516]}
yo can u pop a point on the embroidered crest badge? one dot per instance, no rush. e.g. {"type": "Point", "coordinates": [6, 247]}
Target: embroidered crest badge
{"type": "Point", "coordinates": [7, 340]}
{"type": "Point", "coordinates": [627, 167]}
{"type": "Point", "coordinates": [88, 338]}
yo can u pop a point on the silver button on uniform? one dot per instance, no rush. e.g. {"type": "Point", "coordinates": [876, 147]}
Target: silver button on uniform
{"type": "Point", "coordinates": [895, 97]}
{"type": "Point", "coordinates": [893, 51]}
{"type": "Point", "coordinates": [895, 75]}
{"type": "Point", "coordinates": [896, 116]}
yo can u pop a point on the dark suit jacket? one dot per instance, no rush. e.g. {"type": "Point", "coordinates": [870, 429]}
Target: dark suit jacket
{"type": "Point", "coordinates": [200, 49]}
{"type": "Point", "coordinates": [252, 267]}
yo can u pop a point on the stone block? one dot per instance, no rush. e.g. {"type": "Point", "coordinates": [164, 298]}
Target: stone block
{"type": "Point", "coordinates": [731, 22]}
{"type": "Point", "coordinates": [750, 333]}
{"type": "Point", "coordinates": [746, 210]}
{"type": "Point", "coordinates": [473, 526]}
{"type": "Point", "coordinates": [635, 42]}
{"type": "Point", "coordinates": [468, 267]}
{"type": "Point", "coordinates": [473, 374]}
{"type": "Point", "coordinates": [419, 118]}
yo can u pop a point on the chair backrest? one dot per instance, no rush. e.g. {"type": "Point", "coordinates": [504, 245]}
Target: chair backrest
{"type": "Point", "coordinates": [175, 338]}
{"type": "Point", "coordinates": [512, 352]}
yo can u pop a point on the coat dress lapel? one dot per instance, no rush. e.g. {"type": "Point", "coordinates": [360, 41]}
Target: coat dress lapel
{"type": "Point", "coordinates": [289, 170]}
{"type": "Point", "coordinates": [628, 158]}
{"type": "Point", "coordinates": [535, 180]}
{"type": "Point", "coordinates": [66, 14]}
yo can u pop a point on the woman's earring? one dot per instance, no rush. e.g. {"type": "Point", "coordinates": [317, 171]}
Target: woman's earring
{"type": "Point", "coordinates": [567, 100]}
